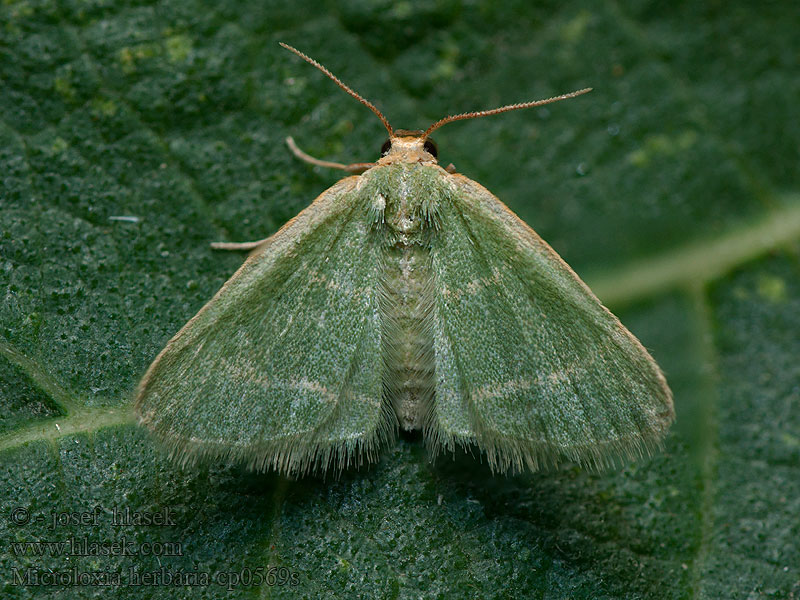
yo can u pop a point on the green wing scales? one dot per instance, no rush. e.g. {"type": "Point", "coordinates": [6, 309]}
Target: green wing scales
{"type": "Point", "coordinates": [529, 365]}
{"type": "Point", "coordinates": [282, 369]}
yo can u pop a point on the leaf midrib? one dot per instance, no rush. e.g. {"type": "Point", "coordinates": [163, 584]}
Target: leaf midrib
{"type": "Point", "coordinates": [697, 263]}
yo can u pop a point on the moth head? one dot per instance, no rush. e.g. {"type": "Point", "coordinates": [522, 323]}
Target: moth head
{"type": "Point", "coordinates": [408, 146]}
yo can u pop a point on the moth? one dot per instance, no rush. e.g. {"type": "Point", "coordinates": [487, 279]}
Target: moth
{"type": "Point", "coordinates": [406, 296]}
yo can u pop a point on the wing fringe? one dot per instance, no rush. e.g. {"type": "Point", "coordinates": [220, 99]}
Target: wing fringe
{"type": "Point", "coordinates": [290, 455]}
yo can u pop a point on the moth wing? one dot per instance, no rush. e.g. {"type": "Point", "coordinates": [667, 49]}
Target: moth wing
{"type": "Point", "coordinates": [282, 367]}
{"type": "Point", "coordinates": [530, 366]}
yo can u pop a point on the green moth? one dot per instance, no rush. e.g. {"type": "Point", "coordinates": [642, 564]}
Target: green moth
{"type": "Point", "coordinates": [405, 296]}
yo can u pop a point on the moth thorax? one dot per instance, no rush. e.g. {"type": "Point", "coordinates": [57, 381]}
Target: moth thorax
{"type": "Point", "coordinates": [406, 223]}
{"type": "Point", "coordinates": [404, 216]}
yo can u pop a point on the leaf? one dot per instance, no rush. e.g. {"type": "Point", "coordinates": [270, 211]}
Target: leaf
{"type": "Point", "coordinates": [671, 189]}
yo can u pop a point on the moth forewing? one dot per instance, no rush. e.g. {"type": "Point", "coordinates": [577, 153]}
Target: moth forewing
{"type": "Point", "coordinates": [279, 369]}
{"type": "Point", "coordinates": [545, 372]}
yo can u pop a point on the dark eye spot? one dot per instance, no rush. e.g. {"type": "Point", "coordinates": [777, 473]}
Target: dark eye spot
{"type": "Point", "coordinates": [385, 148]}
{"type": "Point", "coordinates": [430, 147]}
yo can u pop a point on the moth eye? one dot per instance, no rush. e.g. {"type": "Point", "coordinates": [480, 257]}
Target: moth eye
{"type": "Point", "coordinates": [385, 148]}
{"type": "Point", "coordinates": [430, 147]}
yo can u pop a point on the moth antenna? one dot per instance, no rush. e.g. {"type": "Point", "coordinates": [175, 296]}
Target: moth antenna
{"type": "Point", "coordinates": [502, 109]}
{"type": "Point", "coordinates": [342, 85]}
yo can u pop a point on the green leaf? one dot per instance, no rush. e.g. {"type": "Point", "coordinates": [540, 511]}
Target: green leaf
{"type": "Point", "coordinates": [671, 189]}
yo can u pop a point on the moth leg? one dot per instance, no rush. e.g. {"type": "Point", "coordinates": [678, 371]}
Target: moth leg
{"type": "Point", "coordinates": [241, 246]}
{"type": "Point", "coordinates": [451, 168]}
{"type": "Point", "coordinates": [355, 168]}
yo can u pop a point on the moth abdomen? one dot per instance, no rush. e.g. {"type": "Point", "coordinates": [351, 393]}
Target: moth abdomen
{"type": "Point", "coordinates": [407, 338]}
